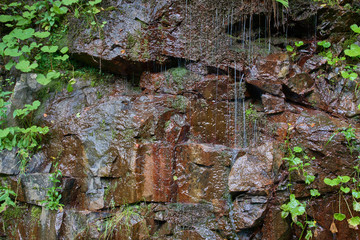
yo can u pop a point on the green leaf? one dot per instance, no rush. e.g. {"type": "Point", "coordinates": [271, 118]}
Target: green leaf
{"type": "Point", "coordinates": [69, 2]}
{"type": "Point", "coordinates": [354, 221]}
{"type": "Point", "coordinates": [344, 179]}
{"type": "Point", "coordinates": [354, 51]}
{"type": "Point", "coordinates": [6, 18]}
{"type": "Point", "coordinates": [356, 194]}
{"type": "Point", "coordinates": [285, 3]}
{"type": "Point", "coordinates": [13, 52]}
{"type": "Point", "coordinates": [4, 132]}
{"type": "Point", "coordinates": [22, 34]}
{"type": "Point", "coordinates": [15, 4]}
{"type": "Point", "coordinates": [353, 76]}
{"type": "Point", "coordinates": [345, 190]}
{"type": "Point", "coordinates": [289, 48]}
{"type": "Point", "coordinates": [62, 58]}
{"type": "Point", "coordinates": [345, 74]}
{"type": "Point", "coordinates": [309, 235]}
{"type": "Point", "coordinates": [355, 28]}
{"type": "Point", "coordinates": [339, 216]}
{"type": "Point", "coordinates": [314, 192]}
{"type": "Point", "coordinates": [76, 13]}
{"type": "Point", "coordinates": [42, 34]}
{"type": "Point", "coordinates": [2, 48]}
{"type": "Point", "coordinates": [40, 78]}
{"type": "Point", "coordinates": [92, 3]}
{"type": "Point", "coordinates": [25, 66]}
{"type": "Point", "coordinates": [64, 50]}
{"type": "Point", "coordinates": [59, 10]}
{"type": "Point", "coordinates": [10, 64]}
{"type": "Point", "coordinates": [44, 80]}
{"type": "Point", "coordinates": [299, 44]}
{"type": "Point", "coordinates": [26, 49]}
{"type": "Point", "coordinates": [309, 179]}
{"type": "Point", "coordinates": [298, 149]}
{"type": "Point", "coordinates": [53, 75]}
{"type": "Point", "coordinates": [49, 49]}
{"type": "Point", "coordinates": [333, 182]}
{"type": "Point", "coordinates": [324, 44]}
{"type": "Point", "coordinates": [69, 88]}
{"type": "Point", "coordinates": [356, 206]}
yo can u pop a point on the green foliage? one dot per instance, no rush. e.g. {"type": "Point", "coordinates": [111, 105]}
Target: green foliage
{"type": "Point", "coordinates": [44, 80]}
{"type": "Point", "coordinates": [354, 51]}
{"type": "Point", "coordinates": [324, 44]}
{"type": "Point", "coordinates": [339, 216]}
{"type": "Point", "coordinates": [180, 103]}
{"type": "Point", "coordinates": [314, 193]}
{"type": "Point", "coordinates": [178, 74]}
{"type": "Point", "coordinates": [124, 218]}
{"type": "Point", "coordinates": [25, 111]}
{"type": "Point", "coordinates": [21, 44]}
{"type": "Point", "coordinates": [294, 207]}
{"type": "Point", "coordinates": [298, 161]}
{"type": "Point", "coordinates": [347, 183]}
{"type": "Point", "coordinates": [285, 3]}
{"type": "Point", "coordinates": [53, 195]}
{"type": "Point", "coordinates": [25, 139]}
{"type": "Point", "coordinates": [5, 198]}
{"type": "Point", "coordinates": [293, 50]}
{"type": "Point", "coordinates": [355, 28]}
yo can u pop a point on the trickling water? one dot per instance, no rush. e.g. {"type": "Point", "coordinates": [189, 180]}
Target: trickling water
{"type": "Point", "coordinates": [250, 36]}
{"type": "Point", "coordinates": [235, 118]}
{"type": "Point", "coordinates": [232, 12]}
{"type": "Point", "coordinates": [231, 212]}
{"type": "Point", "coordinates": [244, 32]}
{"type": "Point", "coordinates": [238, 119]}
{"type": "Point", "coordinates": [315, 25]}
{"type": "Point", "coordinates": [255, 132]}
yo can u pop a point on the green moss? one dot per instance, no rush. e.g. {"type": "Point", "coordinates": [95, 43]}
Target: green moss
{"type": "Point", "coordinates": [179, 103]}
{"type": "Point", "coordinates": [138, 46]}
{"type": "Point", "coordinates": [167, 124]}
{"type": "Point", "coordinates": [178, 74]}
{"type": "Point", "coordinates": [35, 214]}
{"type": "Point", "coordinates": [10, 217]}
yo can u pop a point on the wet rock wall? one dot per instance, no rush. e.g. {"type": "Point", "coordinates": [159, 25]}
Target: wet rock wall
{"type": "Point", "coordinates": [195, 149]}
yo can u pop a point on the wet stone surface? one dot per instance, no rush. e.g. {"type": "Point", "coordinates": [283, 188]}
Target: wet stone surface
{"type": "Point", "coordinates": [195, 149]}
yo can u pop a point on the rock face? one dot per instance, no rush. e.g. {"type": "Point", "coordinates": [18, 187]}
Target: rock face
{"type": "Point", "coordinates": [189, 143]}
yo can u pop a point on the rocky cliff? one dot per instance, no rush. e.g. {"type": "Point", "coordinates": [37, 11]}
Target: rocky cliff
{"type": "Point", "coordinates": [186, 138]}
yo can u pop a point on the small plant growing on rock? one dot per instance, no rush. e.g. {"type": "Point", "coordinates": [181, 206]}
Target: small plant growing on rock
{"type": "Point", "coordinates": [53, 195]}
{"type": "Point", "coordinates": [348, 184]}
{"type": "Point", "coordinates": [293, 50]}
{"type": "Point", "coordinates": [5, 198]}
{"type": "Point", "coordinates": [298, 161]}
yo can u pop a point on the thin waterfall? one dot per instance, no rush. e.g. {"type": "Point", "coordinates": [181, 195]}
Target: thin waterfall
{"type": "Point", "coordinates": [243, 111]}
{"type": "Point", "coordinates": [235, 112]}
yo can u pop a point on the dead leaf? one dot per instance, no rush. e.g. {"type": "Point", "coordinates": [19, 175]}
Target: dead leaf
{"type": "Point", "coordinates": [333, 228]}
{"type": "Point", "coordinates": [316, 233]}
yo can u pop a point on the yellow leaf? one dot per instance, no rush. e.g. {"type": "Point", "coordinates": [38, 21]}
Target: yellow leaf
{"type": "Point", "coordinates": [333, 228]}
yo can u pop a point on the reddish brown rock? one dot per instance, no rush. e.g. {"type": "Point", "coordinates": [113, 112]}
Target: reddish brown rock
{"type": "Point", "coordinates": [201, 172]}
{"type": "Point", "coordinates": [252, 171]}
{"type": "Point", "coordinates": [272, 104]}
{"type": "Point", "coordinates": [275, 227]}
{"type": "Point", "coordinates": [212, 122]}
{"type": "Point", "coordinates": [268, 73]}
